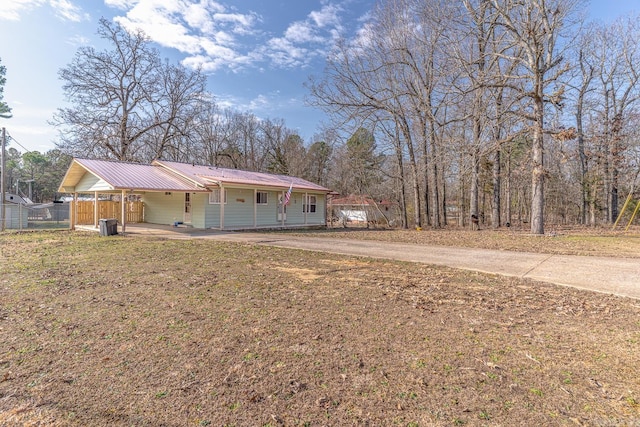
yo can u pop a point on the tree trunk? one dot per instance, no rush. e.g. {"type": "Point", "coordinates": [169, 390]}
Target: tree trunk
{"type": "Point", "coordinates": [417, 218]}
{"type": "Point", "coordinates": [495, 215]}
{"type": "Point", "coordinates": [537, 174]}
{"type": "Point", "coordinates": [462, 211]}
{"type": "Point", "coordinates": [401, 180]}
{"type": "Point", "coordinates": [507, 189]}
{"type": "Point", "coordinates": [473, 196]}
{"type": "Point", "coordinates": [437, 223]}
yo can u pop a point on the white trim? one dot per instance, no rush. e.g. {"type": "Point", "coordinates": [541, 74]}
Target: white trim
{"type": "Point", "coordinates": [266, 195]}
{"type": "Point", "coordinates": [221, 194]}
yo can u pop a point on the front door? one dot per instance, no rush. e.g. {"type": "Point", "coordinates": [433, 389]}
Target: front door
{"type": "Point", "coordinates": [187, 208]}
{"type": "Point", "coordinates": [282, 210]}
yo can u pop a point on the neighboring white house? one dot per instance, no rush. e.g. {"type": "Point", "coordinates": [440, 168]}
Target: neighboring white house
{"type": "Point", "coordinates": [361, 210]}
{"type": "Point", "coordinates": [201, 196]}
{"type": "Point", "coordinates": [16, 213]}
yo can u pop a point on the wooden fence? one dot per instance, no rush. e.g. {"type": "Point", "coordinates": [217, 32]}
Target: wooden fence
{"type": "Point", "coordinates": [108, 209]}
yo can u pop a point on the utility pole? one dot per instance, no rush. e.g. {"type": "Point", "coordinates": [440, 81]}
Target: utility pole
{"type": "Point", "coordinates": [2, 172]}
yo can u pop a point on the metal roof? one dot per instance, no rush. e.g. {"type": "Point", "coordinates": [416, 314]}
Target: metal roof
{"type": "Point", "coordinates": [128, 176]}
{"type": "Point", "coordinates": [174, 176]}
{"type": "Point", "coordinates": [207, 175]}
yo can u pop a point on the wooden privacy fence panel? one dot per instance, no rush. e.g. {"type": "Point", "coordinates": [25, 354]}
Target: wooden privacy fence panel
{"type": "Point", "coordinates": [109, 209]}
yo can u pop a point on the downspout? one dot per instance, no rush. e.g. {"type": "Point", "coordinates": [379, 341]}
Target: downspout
{"type": "Point", "coordinates": [305, 206]}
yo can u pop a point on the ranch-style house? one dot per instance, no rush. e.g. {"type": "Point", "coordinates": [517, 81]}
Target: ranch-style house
{"type": "Point", "coordinates": [182, 194]}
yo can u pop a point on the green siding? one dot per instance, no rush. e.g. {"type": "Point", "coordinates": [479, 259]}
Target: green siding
{"type": "Point", "coordinates": [319, 216]}
{"type": "Point", "coordinates": [198, 201]}
{"type": "Point", "coordinates": [160, 208]}
{"type": "Point", "coordinates": [211, 215]}
{"type": "Point", "coordinates": [238, 212]}
{"type": "Point", "coordinates": [267, 215]}
{"type": "Point", "coordinates": [295, 216]}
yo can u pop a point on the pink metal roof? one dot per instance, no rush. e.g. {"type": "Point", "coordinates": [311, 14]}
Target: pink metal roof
{"type": "Point", "coordinates": [173, 176]}
{"type": "Point", "coordinates": [208, 175]}
{"type": "Point", "coordinates": [135, 176]}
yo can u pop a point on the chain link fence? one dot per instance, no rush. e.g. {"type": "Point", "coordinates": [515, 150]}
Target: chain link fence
{"type": "Point", "coordinates": [33, 217]}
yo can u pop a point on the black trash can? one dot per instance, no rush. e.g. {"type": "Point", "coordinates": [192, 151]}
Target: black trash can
{"type": "Point", "coordinates": [108, 227]}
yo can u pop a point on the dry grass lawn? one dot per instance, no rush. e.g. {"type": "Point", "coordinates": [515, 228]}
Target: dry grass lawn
{"type": "Point", "coordinates": [142, 331]}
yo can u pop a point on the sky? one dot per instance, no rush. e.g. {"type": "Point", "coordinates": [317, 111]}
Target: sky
{"type": "Point", "coordinates": [257, 54]}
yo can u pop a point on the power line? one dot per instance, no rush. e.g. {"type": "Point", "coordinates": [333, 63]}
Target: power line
{"type": "Point", "coordinates": [16, 141]}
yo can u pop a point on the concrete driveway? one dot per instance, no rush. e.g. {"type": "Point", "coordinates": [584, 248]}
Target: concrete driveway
{"type": "Point", "coordinates": [619, 276]}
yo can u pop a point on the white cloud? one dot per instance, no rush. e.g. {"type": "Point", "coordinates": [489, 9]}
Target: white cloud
{"type": "Point", "coordinates": [364, 37]}
{"type": "Point", "coordinates": [261, 101]}
{"type": "Point", "coordinates": [12, 10]}
{"type": "Point", "coordinates": [68, 11]}
{"type": "Point", "coordinates": [300, 32]}
{"type": "Point", "coordinates": [306, 40]}
{"type": "Point", "coordinates": [327, 16]}
{"type": "Point", "coordinates": [121, 4]}
{"type": "Point", "coordinates": [78, 40]}
{"type": "Point", "coordinates": [203, 29]}
{"type": "Point", "coordinates": [215, 36]}
{"type": "Point", "coordinates": [63, 9]}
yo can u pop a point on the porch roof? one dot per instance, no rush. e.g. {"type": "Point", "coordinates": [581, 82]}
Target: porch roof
{"type": "Point", "coordinates": [118, 176]}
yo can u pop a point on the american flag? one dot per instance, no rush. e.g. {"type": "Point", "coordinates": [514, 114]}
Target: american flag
{"type": "Point", "coordinates": [288, 195]}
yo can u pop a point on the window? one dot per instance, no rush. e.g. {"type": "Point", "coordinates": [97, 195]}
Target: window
{"type": "Point", "coordinates": [261, 198]}
{"type": "Point", "coordinates": [214, 196]}
{"type": "Point", "coordinates": [310, 205]}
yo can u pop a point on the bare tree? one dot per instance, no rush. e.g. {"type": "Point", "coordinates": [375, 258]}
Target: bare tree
{"type": "Point", "coordinates": [5, 111]}
{"type": "Point", "coordinates": [537, 27]}
{"type": "Point", "coordinates": [583, 84]}
{"type": "Point", "coordinates": [126, 104]}
{"type": "Point", "coordinates": [617, 55]}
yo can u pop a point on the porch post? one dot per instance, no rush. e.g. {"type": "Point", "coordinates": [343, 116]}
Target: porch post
{"type": "Point", "coordinates": [96, 210]}
{"type": "Point", "coordinates": [73, 212]}
{"type": "Point", "coordinates": [255, 208]}
{"type": "Point", "coordinates": [305, 204]}
{"type": "Point", "coordinates": [123, 210]}
{"type": "Point", "coordinates": [222, 199]}
{"type": "Point", "coordinates": [283, 208]}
